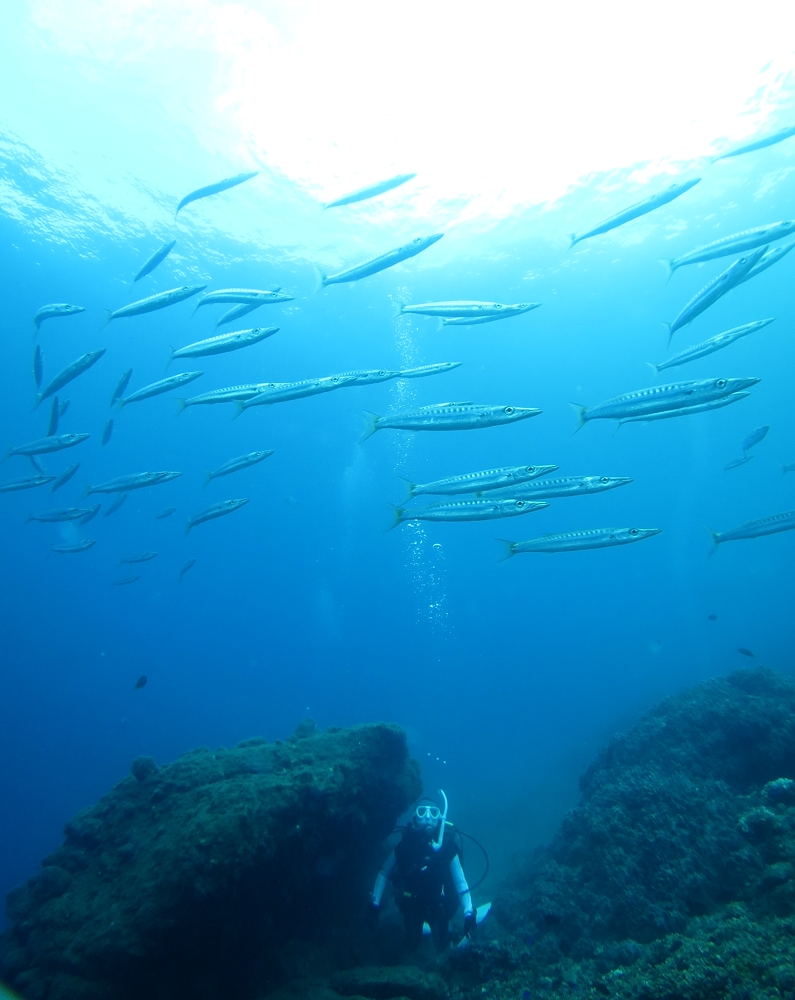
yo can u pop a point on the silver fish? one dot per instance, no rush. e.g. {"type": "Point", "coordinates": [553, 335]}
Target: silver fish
{"type": "Point", "coordinates": [371, 192]}
{"type": "Point", "coordinates": [369, 376]}
{"type": "Point", "coordinates": [235, 464]}
{"type": "Point", "coordinates": [188, 565]}
{"type": "Point", "coordinates": [72, 547]}
{"type": "Point", "coordinates": [152, 302]}
{"type": "Point", "coordinates": [215, 510]}
{"type": "Point", "coordinates": [423, 370]}
{"type": "Point", "coordinates": [135, 481]}
{"type": "Point", "coordinates": [662, 397]}
{"type": "Point", "coordinates": [124, 581]}
{"type": "Point", "coordinates": [770, 258]}
{"type": "Point", "coordinates": [121, 386]}
{"type": "Point", "coordinates": [58, 515]}
{"type": "Point", "coordinates": [686, 411]}
{"type": "Point", "coordinates": [166, 512]}
{"type": "Point", "coordinates": [572, 541]}
{"type": "Point", "coordinates": [223, 343]}
{"type": "Point", "coordinates": [217, 188]}
{"type": "Point", "coordinates": [447, 417]}
{"type": "Point", "coordinates": [108, 431]}
{"type": "Point", "coordinates": [231, 394]}
{"type": "Point", "coordinates": [237, 312]}
{"type": "Point", "coordinates": [510, 477]}
{"type": "Point", "coordinates": [159, 387]}
{"type": "Point", "coordinates": [281, 392]}
{"type": "Point", "coordinates": [157, 258]}
{"type": "Point", "coordinates": [482, 509]}
{"type": "Point", "coordinates": [463, 309]}
{"type": "Point", "coordinates": [737, 462]}
{"type": "Point", "coordinates": [13, 485]}
{"type": "Point", "coordinates": [570, 486]}
{"type": "Point", "coordinates": [70, 372]}
{"type": "Point", "coordinates": [38, 366]}
{"type": "Point", "coordinates": [750, 147]}
{"type": "Point", "coordinates": [381, 263]}
{"type": "Point", "coordinates": [90, 514]}
{"type": "Point", "coordinates": [518, 310]}
{"type": "Point", "coordinates": [746, 240]}
{"type": "Point", "coordinates": [635, 211]}
{"type": "Point", "coordinates": [713, 344]}
{"type": "Point", "coordinates": [715, 289]}
{"type": "Point", "coordinates": [142, 558]}
{"type": "Point", "coordinates": [755, 529]}
{"type": "Point", "coordinates": [55, 310]}
{"type": "Point", "coordinates": [64, 477]}
{"type": "Point", "coordinates": [117, 502]}
{"type": "Point", "coordinates": [55, 417]}
{"type": "Point", "coordinates": [46, 445]}
{"type": "Point", "coordinates": [243, 296]}
{"type": "Point", "coordinates": [755, 437]}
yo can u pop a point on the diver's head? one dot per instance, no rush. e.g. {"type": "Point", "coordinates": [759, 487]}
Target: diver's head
{"type": "Point", "coordinates": [427, 816]}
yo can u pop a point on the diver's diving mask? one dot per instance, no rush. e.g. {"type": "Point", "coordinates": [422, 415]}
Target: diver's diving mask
{"type": "Point", "coordinates": [425, 813]}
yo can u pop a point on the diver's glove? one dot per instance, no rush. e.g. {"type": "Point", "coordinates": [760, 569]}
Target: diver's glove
{"type": "Point", "coordinates": [371, 917]}
{"type": "Point", "coordinates": [470, 923]}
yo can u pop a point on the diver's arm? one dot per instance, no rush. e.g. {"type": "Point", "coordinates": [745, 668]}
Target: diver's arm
{"type": "Point", "coordinates": [461, 886]}
{"type": "Point", "coordinates": [382, 878]}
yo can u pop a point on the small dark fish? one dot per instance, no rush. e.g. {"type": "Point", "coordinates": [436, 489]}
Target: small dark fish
{"type": "Point", "coordinates": [188, 565]}
{"type": "Point", "coordinates": [217, 188]}
{"type": "Point", "coordinates": [140, 683]}
{"type": "Point", "coordinates": [64, 477]}
{"type": "Point", "coordinates": [746, 652]}
{"type": "Point", "coordinates": [124, 581]}
{"type": "Point", "coordinates": [55, 416]}
{"type": "Point", "coordinates": [755, 437]}
{"type": "Point", "coordinates": [120, 498]}
{"type": "Point", "coordinates": [64, 408]}
{"type": "Point", "coordinates": [141, 558]}
{"type": "Point", "coordinates": [167, 512]}
{"type": "Point", "coordinates": [108, 431]}
{"type": "Point", "coordinates": [121, 386]}
{"type": "Point", "coordinates": [71, 547]}
{"type": "Point", "coordinates": [157, 258]}
{"type": "Point", "coordinates": [38, 366]}
{"type": "Point", "coordinates": [712, 618]}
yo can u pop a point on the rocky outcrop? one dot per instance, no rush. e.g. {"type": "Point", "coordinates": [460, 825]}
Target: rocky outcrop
{"type": "Point", "coordinates": [192, 879]}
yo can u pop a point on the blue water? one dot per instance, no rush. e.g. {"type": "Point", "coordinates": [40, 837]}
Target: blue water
{"type": "Point", "coordinates": [506, 675]}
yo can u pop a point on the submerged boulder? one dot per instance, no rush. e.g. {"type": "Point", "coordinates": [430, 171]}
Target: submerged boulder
{"type": "Point", "coordinates": [191, 879]}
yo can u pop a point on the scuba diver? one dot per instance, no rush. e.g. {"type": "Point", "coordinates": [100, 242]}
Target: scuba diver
{"type": "Point", "coordinates": [427, 878]}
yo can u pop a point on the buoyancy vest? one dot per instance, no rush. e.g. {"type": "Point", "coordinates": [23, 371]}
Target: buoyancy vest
{"type": "Point", "coordinates": [422, 874]}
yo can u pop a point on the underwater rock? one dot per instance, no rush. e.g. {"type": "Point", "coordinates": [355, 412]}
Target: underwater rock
{"type": "Point", "coordinates": [675, 875]}
{"type": "Point", "coordinates": [389, 982]}
{"type": "Point", "coordinates": [189, 880]}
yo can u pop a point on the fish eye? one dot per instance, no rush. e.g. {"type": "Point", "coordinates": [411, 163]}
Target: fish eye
{"type": "Point", "coordinates": [720, 383]}
{"type": "Point", "coordinates": [520, 503]}
{"type": "Point", "coordinates": [382, 372]}
{"type": "Point", "coordinates": [508, 410]}
{"type": "Point", "coordinates": [604, 479]}
{"type": "Point", "coordinates": [531, 468]}
{"type": "Point", "coordinates": [633, 531]}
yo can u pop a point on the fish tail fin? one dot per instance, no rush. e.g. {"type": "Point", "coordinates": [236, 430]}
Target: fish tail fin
{"type": "Point", "coordinates": [207, 477]}
{"type": "Point", "coordinates": [651, 364]}
{"type": "Point", "coordinates": [30, 517]}
{"type": "Point", "coordinates": [39, 398]}
{"type": "Point", "coordinates": [668, 327]}
{"type": "Point", "coordinates": [181, 404]}
{"type": "Point", "coordinates": [195, 309]}
{"type": "Point", "coordinates": [320, 279]}
{"type": "Point", "coordinates": [7, 455]}
{"type": "Point", "coordinates": [572, 239]}
{"type": "Point", "coordinates": [411, 487]}
{"type": "Point", "coordinates": [397, 308]}
{"type": "Point", "coordinates": [170, 357]}
{"type": "Point", "coordinates": [87, 490]}
{"type": "Point", "coordinates": [507, 549]}
{"type": "Point", "coordinates": [582, 420]}
{"type": "Point", "coordinates": [240, 408]}
{"type": "Point", "coordinates": [396, 516]}
{"type": "Point", "coordinates": [715, 540]}
{"type": "Point", "coordinates": [441, 323]}
{"type": "Point", "coordinates": [670, 266]}
{"type": "Point", "coordinates": [106, 314]}
{"type": "Point", "coordinates": [370, 425]}
{"type": "Point", "coordinates": [188, 526]}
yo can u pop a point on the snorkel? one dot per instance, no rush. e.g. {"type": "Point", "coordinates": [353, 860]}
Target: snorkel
{"type": "Point", "coordinates": [437, 844]}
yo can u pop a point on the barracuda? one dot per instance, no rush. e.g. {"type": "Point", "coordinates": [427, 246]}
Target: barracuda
{"type": "Point", "coordinates": [447, 417]}
{"type": "Point", "coordinates": [467, 510]}
{"type": "Point", "coordinates": [376, 264]}
{"type": "Point", "coordinates": [746, 240]}
{"type": "Point", "coordinates": [573, 541]}
{"type": "Point", "coordinates": [713, 344]}
{"type": "Point", "coordinates": [571, 486]}
{"type": "Point", "coordinates": [479, 482]}
{"type": "Point", "coordinates": [637, 210]}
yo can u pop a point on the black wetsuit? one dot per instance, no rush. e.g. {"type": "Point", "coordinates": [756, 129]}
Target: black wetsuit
{"type": "Point", "coordinates": [424, 889]}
